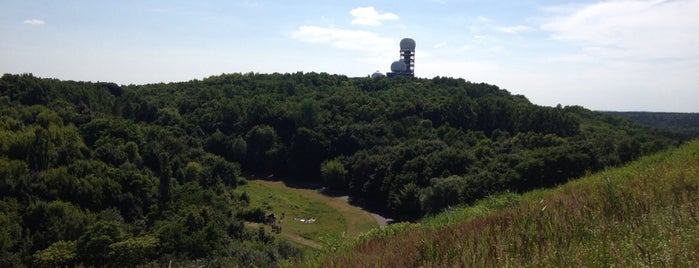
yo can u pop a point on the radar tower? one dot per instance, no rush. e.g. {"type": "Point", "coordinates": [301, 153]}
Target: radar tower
{"type": "Point", "coordinates": [407, 54]}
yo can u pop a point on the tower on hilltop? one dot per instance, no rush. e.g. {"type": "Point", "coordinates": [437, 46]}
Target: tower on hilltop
{"type": "Point", "coordinates": [405, 66]}
{"type": "Point", "coordinates": [407, 54]}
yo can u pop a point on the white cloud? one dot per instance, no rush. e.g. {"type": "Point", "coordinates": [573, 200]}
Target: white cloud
{"type": "Point", "coordinates": [624, 55]}
{"type": "Point", "coordinates": [632, 29]}
{"type": "Point", "coordinates": [483, 37]}
{"type": "Point", "coordinates": [34, 22]}
{"type": "Point", "coordinates": [482, 19]}
{"type": "Point", "coordinates": [369, 16]}
{"type": "Point", "coordinates": [356, 40]}
{"type": "Point", "coordinates": [512, 29]}
{"type": "Point", "coordinates": [440, 45]}
{"type": "Point", "coordinates": [574, 58]}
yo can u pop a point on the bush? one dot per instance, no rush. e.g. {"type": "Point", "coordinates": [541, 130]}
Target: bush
{"type": "Point", "coordinates": [334, 174]}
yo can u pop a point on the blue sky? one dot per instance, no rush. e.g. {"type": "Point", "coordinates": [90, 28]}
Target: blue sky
{"type": "Point", "coordinates": [604, 55]}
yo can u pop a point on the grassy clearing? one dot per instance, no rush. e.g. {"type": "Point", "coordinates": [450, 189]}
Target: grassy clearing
{"type": "Point", "coordinates": [643, 215]}
{"type": "Point", "coordinates": [335, 218]}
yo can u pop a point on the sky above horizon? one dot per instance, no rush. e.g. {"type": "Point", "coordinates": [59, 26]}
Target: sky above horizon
{"type": "Point", "coordinates": [619, 55]}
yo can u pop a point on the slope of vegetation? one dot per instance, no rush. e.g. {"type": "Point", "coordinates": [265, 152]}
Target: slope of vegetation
{"type": "Point", "coordinates": [645, 214]}
{"type": "Point", "coordinates": [81, 185]}
{"type": "Point", "coordinates": [102, 174]}
{"type": "Point", "coordinates": [680, 126]}
{"type": "Point", "coordinates": [411, 146]}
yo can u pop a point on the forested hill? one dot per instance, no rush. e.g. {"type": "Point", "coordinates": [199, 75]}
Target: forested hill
{"type": "Point", "coordinates": [681, 126]}
{"type": "Point", "coordinates": [98, 173]}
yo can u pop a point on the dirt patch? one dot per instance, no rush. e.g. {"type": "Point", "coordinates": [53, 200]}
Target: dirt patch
{"type": "Point", "coordinates": [380, 220]}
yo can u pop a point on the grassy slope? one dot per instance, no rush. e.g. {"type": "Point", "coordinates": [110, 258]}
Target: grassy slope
{"type": "Point", "coordinates": [644, 214]}
{"type": "Point", "coordinates": [335, 217]}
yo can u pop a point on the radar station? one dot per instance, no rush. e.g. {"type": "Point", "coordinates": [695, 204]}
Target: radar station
{"type": "Point", "coordinates": [405, 66]}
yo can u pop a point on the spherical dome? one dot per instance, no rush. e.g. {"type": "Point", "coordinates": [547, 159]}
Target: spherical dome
{"type": "Point", "coordinates": [407, 43]}
{"type": "Point", "coordinates": [377, 74]}
{"type": "Point", "coordinates": [398, 66]}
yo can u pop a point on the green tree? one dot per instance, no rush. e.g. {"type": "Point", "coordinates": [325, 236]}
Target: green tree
{"type": "Point", "coordinates": [193, 171]}
{"type": "Point", "coordinates": [168, 117]}
{"type": "Point", "coordinates": [70, 146]}
{"type": "Point", "coordinates": [93, 245]}
{"type": "Point", "coordinates": [41, 149]}
{"type": "Point", "coordinates": [55, 221]}
{"type": "Point", "coordinates": [406, 201]}
{"type": "Point", "coordinates": [14, 177]}
{"type": "Point", "coordinates": [239, 149]}
{"type": "Point", "coordinates": [59, 254]}
{"type": "Point", "coordinates": [308, 150]}
{"type": "Point", "coordinates": [164, 182]}
{"type": "Point", "coordinates": [442, 193]}
{"type": "Point", "coordinates": [262, 145]}
{"type": "Point", "coordinates": [628, 150]}
{"type": "Point", "coordinates": [133, 251]}
{"type": "Point", "coordinates": [10, 225]}
{"type": "Point", "coordinates": [220, 170]}
{"type": "Point", "coordinates": [132, 152]}
{"type": "Point", "coordinates": [334, 174]}
{"type": "Point", "coordinates": [111, 154]}
{"type": "Point", "coordinates": [309, 113]}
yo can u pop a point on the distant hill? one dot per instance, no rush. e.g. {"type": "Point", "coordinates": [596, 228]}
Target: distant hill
{"type": "Point", "coordinates": [682, 126]}
{"type": "Point", "coordinates": [641, 215]}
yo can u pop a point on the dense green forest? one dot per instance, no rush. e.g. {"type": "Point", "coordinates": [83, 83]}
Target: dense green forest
{"type": "Point", "coordinates": [97, 173]}
{"type": "Point", "coordinates": [680, 126]}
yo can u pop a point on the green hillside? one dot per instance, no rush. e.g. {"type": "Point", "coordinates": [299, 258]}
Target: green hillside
{"type": "Point", "coordinates": [680, 126]}
{"type": "Point", "coordinates": [645, 214]}
{"type": "Point", "coordinates": [125, 175]}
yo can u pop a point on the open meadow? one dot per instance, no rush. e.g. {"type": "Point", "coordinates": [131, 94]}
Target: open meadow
{"type": "Point", "coordinates": [310, 218]}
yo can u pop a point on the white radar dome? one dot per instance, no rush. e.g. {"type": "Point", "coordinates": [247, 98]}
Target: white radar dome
{"type": "Point", "coordinates": [398, 66]}
{"type": "Point", "coordinates": [407, 43]}
{"type": "Point", "coordinates": [377, 74]}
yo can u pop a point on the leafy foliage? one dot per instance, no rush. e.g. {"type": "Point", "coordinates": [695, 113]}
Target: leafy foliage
{"type": "Point", "coordinates": [680, 126]}
{"type": "Point", "coordinates": [643, 214]}
{"type": "Point", "coordinates": [102, 174]}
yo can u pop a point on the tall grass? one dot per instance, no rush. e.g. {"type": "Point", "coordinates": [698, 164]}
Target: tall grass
{"type": "Point", "coordinates": [645, 214]}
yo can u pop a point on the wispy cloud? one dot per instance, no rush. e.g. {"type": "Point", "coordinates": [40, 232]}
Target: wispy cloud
{"type": "Point", "coordinates": [34, 22]}
{"type": "Point", "coordinates": [622, 46]}
{"type": "Point", "coordinates": [440, 45]}
{"type": "Point", "coordinates": [482, 19]}
{"type": "Point", "coordinates": [512, 29]}
{"type": "Point", "coordinates": [369, 16]}
{"type": "Point", "coordinates": [343, 38]}
{"type": "Point", "coordinates": [373, 47]}
{"type": "Point", "coordinates": [638, 30]}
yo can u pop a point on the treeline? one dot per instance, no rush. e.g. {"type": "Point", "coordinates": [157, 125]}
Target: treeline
{"type": "Point", "coordinates": [679, 126]}
{"type": "Point", "coordinates": [152, 167]}
{"type": "Point", "coordinates": [412, 146]}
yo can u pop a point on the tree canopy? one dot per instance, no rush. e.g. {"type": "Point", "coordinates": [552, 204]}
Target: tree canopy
{"type": "Point", "coordinates": [97, 173]}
